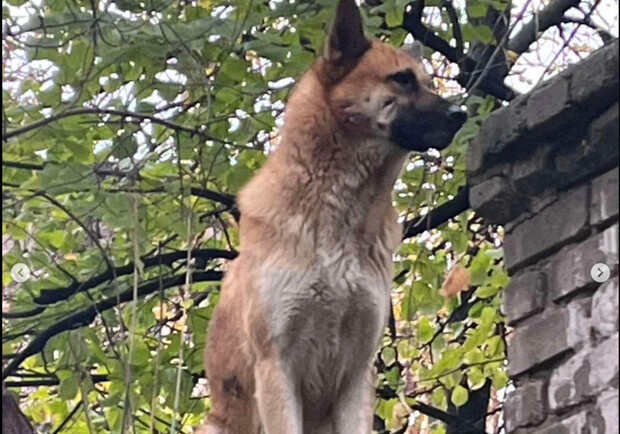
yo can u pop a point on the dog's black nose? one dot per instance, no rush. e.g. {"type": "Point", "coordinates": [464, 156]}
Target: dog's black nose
{"type": "Point", "coordinates": [457, 114]}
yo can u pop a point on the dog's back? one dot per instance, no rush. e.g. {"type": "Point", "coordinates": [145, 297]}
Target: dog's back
{"type": "Point", "coordinates": [305, 304]}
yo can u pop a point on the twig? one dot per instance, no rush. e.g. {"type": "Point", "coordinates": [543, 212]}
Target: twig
{"type": "Point", "coordinates": [99, 111]}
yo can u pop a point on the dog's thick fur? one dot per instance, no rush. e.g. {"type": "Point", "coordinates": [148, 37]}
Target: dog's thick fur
{"type": "Point", "coordinates": [305, 304]}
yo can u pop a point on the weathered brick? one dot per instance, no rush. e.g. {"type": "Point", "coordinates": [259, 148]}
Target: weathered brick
{"type": "Point", "coordinates": [583, 155]}
{"type": "Point", "coordinates": [548, 106]}
{"type": "Point", "coordinates": [524, 295]}
{"type": "Point", "coordinates": [605, 309]}
{"type": "Point", "coordinates": [534, 174]}
{"type": "Point", "coordinates": [500, 129]}
{"type": "Point", "coordinates": [604, 206]}
{"type": "Point", "coordinates": [576, 424]}
{"type": "Point", "coordinates": [570, 268]}
{"type": "Point", "coordinates": [561, 222]}
{"type": "Point", "coordinates": [526, 406]}
{"type": "Point", "coordinates": [604, 365]}
{"type": "Point", "coordinates": [603, 133]}
{"type": "Point", "coordinates": [604, 419]}
{"type": "Point", "coordinates": [595, 81]}
{"type": "Point", "coordinates": [495, 200]}
{"type": "Point", "coordinates": [568, 384]}
{"type": "Point", "coordinates": [475, 158]}
{"type": "Point", "coordinates": [550, 334]}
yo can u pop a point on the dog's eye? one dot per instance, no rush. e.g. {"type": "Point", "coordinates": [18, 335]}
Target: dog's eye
{"type": "Point", "coordinates": [406, 79]}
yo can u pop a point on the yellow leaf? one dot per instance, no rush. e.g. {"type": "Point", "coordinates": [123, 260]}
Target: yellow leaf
{"type": "Point", "coordinates": [512, 56]}
{"type": "Point", "coordinates": [457, 280]}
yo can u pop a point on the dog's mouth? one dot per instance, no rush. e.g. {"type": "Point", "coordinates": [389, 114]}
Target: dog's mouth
{"type": "Point", "coordinates": [419, 131]}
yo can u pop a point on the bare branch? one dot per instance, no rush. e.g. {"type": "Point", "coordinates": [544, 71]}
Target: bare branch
{"type": "Point", "coordinates": [541, 21]}
{"type": "Point", "coordinates": [605, 36]}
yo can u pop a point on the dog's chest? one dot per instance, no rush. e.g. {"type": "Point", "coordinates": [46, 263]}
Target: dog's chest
{"type": "Point", "coordinates": [328, 310]}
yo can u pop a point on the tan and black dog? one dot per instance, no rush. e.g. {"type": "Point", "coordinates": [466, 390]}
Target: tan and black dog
{"type": "Point", "coordinates": [305, 304]}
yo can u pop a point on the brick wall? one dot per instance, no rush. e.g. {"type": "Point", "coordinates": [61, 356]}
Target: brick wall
{"type": "Point", "coordinates": [546, 167]}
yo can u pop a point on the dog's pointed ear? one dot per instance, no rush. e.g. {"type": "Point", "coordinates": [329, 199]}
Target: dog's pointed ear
{"type": "Point", "coordinates": [415, 50]}
{"type": "Point", "coordinates": [347, 41]}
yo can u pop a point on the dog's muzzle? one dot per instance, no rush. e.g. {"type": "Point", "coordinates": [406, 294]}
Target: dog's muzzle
{"type": "Point", "coordinates": [419, 130]}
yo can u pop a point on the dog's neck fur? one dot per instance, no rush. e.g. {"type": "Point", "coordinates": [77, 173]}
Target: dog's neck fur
{"type": "Point", "coordinates": [330, 178]}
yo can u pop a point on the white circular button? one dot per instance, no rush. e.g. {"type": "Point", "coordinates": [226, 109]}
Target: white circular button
{"type": "Point", "coordinates": [20, 272]}
{"type": "Point", "coordinates": [600, 273]}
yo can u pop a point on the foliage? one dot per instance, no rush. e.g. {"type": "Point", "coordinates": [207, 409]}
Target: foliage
{"type": "Point", "coordinates": [128, 128]}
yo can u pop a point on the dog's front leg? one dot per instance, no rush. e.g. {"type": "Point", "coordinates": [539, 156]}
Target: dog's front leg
{"type": "Point", "coordinates": [277, 397]}
{"type": "Point", "coordinates": [354, 408]}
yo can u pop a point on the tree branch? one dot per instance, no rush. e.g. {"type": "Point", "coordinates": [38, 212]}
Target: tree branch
{"type": "Point", "coordinates": [605, 36]}
{"type": "Point", "coordinates": [85, 316]}
{"type": "Point", "coordinates": [24, 313]}
{"type": "Point", "coordinates": [50, 296]}
{"type": "Point", "coordinates": [491, 84]}
{"type": "Point", "coordinates": [52, 381]}
{"type": "Point", "coordinates": [456, 25]}
{"type": "Point", "coordinates": [541, 21]}
{"type": "Point", "coordinates": [19, 165]}
{"type": "Point", "coordinates": [439, 215]}
{"type": "Point", "coordinates": [99, 111]}
{"type": "Point", "coordinates": [223, 198]}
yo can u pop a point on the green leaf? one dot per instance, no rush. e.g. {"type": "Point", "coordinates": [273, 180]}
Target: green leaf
{"type": "Point", "coordinates": [394, 17]}
{"type": "Point", "coordinates": [62, 178]}
{"type": "Point", "coordinates": [125, 145]}
{"type": "Point", "coordinates": [475, 378]}
{"type": "Point", "coordinates": [494, 253]}
{"type": "Point", "coordinates": [487, 291]}
{"type": "Point", "coordinates": [477, 33]}
{"type": "Point", "coordinates": [476, 9]}
{"type": "Point", "coordinates": [425, 330]}
{"type": "Point", "coordinates": [459, 396]}
{"type": "Point", "coordinates": [69, 387]}
{"type": "Point", "coordinates": [408, 305]}
{"type": "Point", "coordinates": [500, 379]}
{"type": "Point", "coordinates": [439, 397]}
{"type": "Point", "coordinates": [385, 408]}
{"type": "Point", "coordinates": [393, 377]}
{"type": "Point", "coordinates": [484, 34]}
{"type": "Point", "coordinates": [479, 268]}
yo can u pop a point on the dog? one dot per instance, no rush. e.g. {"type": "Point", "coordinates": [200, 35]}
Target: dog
{"type": "Point", "coordinates": [304, 306]}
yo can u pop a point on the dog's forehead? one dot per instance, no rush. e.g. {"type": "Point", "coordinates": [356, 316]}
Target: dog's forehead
{"type": "Point", "coordinates": [383, 60]}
